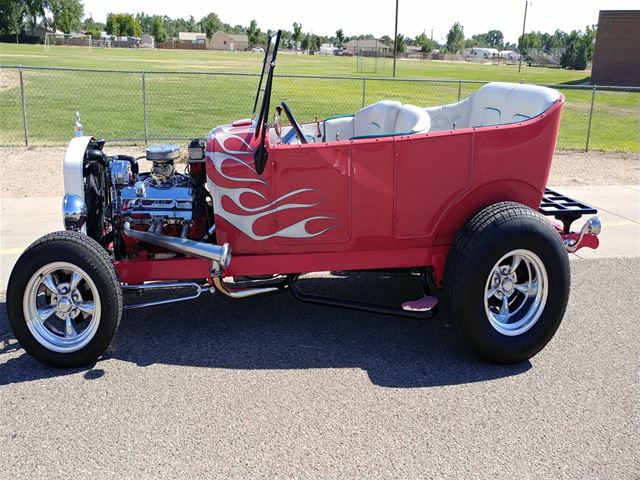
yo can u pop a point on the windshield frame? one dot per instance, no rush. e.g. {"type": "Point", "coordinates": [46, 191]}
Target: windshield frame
{"type": "Point", "coordinates": [267, 51]}
{"type": "Point", "coordinates": [266, 97]}
{"type": "Point", "coordinates": [261, 153]}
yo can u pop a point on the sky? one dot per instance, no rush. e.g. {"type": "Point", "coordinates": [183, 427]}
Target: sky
{"type": "Point", "coordinates": [355, 17]}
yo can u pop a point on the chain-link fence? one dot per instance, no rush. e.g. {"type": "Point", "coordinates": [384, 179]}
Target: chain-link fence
{"type": "Point", "coordinates": [38, 105]}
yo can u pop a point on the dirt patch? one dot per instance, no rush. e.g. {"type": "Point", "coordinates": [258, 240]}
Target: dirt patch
{"type": "Point", "coordinates": [9, 79]}
{"type": "Point", "coordinates": [595, 168]}
{"type": "Point", "coordinates": [37, 171]}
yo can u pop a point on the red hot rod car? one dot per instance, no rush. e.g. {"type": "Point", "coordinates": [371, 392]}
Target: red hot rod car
{"type": "Point", "coordinates": [453, 195]}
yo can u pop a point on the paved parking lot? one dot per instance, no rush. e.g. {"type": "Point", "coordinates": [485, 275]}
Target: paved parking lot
{"type": "Point", "coordinates": [273, 388]}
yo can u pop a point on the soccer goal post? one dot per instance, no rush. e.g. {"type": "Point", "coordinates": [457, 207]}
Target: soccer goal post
{"type": "Point", "coordinates": [66, 40]}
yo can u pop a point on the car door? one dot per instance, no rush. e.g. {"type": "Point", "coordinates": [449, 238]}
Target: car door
{"type": "Point", "coordinates": [312, 195]}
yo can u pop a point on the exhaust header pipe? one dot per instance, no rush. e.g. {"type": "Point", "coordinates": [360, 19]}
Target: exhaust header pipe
{"type": "Point", "coordinates": [221, 254]}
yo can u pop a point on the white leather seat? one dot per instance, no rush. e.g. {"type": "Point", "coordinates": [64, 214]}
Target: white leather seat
{"type": "Point", "coordinates": [338, 128]}
{"type": "Point", "coordinates": [412, 119]}
{"type": "Point", "coordinates": [496, 103]}
{"type": "Point", "coordinates": [449, 117]}
{"type": "Point", "coordinates": [377, 119]}
{"type": "Point", "coordinates": [381, 118]}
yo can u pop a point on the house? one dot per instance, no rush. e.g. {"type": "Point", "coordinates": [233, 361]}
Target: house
{"type": "Point", "coordinates": [41, 32]}
{"type": "Point", "coordinates": [193, 37]}
{"type": "Point", "coordinates": [481, 53]}
{"type": "Point", "coordinates": [510, 55]}
{"type": "Point", "coordinates": [413, 51]}
{"type": "Point", "coordinates": [228, 41]}
{"type": "Point", "coordinates": [366, 47]}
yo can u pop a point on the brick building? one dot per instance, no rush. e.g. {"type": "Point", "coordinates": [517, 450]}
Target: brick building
{"type": "Point", "coordinates": [616, 60]}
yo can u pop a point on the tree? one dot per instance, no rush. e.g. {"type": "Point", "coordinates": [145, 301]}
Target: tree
{"type": "Point", "coordinates": [339, 37]}
{"type": "Point", "coordinates": [157, 29]}
{"type": "Point", "coordinates": [67, 14]}
{"type": "Point", "coordinates": [589, 39]}
{"type": "Point", "coordinates": [455, 38]}
{"type": "Point", "coordinates": [123, 24]}
{"type": "Point", "coordinates": [530, 41]}
{"type": "Point", "coordinates": [425, 43]}
{"type": "Point", "coordinates": [253, 32]}
{"type": "Point", "coordinates": [317, 41]}
{"type": "Point", "coordinates": [12, 13]}
{"type": "Point", "coordinates": [35, 9]}
{"type": "Point", "coordinates": [297, 33]}
{"type": "Point", "coordinates": [555, 41]}
{"type": "Point", "coordinates": [94, 32]}
{"type": "Point", "coordinates": [386, 39]}
{"type": "Point", "coordinates": [210, 24]}
{"type": "Point", "coordinates": [495, 39]}
{"type": "Point", "coordinates": [305, 42]}
{"type": "Point", "coordinates": [478, 40]}
{"type": "Point", "coordinates": [191, 24]}
{"type": "Point", "coordinates": [145, 21]}
{"type": "Point", "coordinates": [402, 44]}
{"type": "Point", "coordinates": [578, 50]}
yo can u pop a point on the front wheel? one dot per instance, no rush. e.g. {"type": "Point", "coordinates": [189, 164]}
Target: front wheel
{"type": "Point", "coordinates": [64, 300]}
{"type": "Point", "coordinates": [507, 279]}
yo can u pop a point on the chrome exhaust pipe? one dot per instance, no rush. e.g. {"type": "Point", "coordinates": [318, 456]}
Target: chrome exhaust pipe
{"type": "Point", "coordinates": [221, 254]}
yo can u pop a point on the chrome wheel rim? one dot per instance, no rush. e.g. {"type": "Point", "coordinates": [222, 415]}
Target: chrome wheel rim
{"type": "Point", "coordinates": [516, 292]}
{"type": "Point", "coordinates": [62, 307]}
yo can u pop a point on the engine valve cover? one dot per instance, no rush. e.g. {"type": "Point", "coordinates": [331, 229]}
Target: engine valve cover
{"type": "Point", "coordinates": [170, 202]}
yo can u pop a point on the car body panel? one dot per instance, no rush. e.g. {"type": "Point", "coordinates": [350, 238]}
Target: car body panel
{"type": "Point", "coordinates": [375, 194]}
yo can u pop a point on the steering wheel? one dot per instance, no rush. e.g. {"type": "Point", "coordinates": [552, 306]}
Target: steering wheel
{"type": "Point", "coordinates": [294, 123]}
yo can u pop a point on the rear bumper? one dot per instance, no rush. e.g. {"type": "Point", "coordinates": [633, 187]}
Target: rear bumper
{"type": "Point", "coordinates": [566, 210]}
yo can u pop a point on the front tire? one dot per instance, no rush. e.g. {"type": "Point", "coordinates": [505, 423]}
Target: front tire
{"type": "Point", "coordinates": [64, 300]}
{"type": "Point", "coordinates": [507, 282]}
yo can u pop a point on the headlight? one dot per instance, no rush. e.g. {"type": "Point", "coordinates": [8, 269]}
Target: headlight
{"type": "Point", "coordinates": [74, 212]}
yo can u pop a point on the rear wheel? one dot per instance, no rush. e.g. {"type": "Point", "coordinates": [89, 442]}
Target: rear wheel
{"type": "Point", "coordinates": [64, 300]}
{"type": "Point", "coordinates": [507, 280]}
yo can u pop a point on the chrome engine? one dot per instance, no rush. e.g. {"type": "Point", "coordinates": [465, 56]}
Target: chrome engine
{"type": "Point", "coordinates": [157, 213]}
{"type": "Point", "coordinates": [157, 199]}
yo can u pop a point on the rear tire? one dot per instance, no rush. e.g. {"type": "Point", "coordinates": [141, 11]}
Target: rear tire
{"type": "Point", "coordinates": [507, 282]}
{"type": "Point", "coordinates": [64, 300]}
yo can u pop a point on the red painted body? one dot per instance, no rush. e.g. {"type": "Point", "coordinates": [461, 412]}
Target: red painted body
{"type": "Point", "coordinates": [370, 203]}
{"type": "Point", "coordinates": [387, 199]}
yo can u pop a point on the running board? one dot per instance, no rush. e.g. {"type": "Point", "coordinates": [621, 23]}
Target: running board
{"type": "Point", "coordinates": [355, 305]}
{"type": "Point", "coordinates": [197, 291]}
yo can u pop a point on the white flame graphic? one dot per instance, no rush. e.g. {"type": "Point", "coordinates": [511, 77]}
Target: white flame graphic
{"type": "Point", "coordinates": [245, 222]}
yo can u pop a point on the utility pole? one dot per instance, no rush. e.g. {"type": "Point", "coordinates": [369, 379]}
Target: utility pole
{"type": "Point", "coordinates": [395, 42]}
{"type": "Point", "coordinates": [524, 23]}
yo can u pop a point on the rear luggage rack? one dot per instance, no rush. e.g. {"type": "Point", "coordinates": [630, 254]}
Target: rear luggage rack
{"type": "Point", "coordinates": [563, 208]}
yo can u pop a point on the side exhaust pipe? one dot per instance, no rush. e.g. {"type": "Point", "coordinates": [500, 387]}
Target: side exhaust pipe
{"type": "Point", "coordinates": [221, 254]}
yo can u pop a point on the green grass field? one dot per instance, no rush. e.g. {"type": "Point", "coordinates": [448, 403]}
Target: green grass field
{"type": "Point", "coordinates": [181, 105]}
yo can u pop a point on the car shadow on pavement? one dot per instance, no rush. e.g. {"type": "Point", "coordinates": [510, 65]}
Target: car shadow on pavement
{"type": "Point", "coordinates": [277, 332]}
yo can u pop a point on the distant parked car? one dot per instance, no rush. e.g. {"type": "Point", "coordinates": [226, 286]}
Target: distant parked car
{"type": "Point", "coordinates": [257, 50]}
{"type": "Point", "coordinates": [343, 53]}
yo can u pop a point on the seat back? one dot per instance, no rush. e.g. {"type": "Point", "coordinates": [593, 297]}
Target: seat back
{"type": "Point", "coordinates": [501, 103]}
{"type": "Point", "coordinates": [338, 128]}
{"type": "Point", "coordinates": [376, 119]}
{"type": "Point", "coordinates": [412, 119]}
{"type": "Point", "coordinates": [451, 116]}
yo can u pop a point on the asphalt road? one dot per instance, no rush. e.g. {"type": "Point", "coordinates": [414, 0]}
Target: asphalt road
{"type": "Point", "coordinates": [271, 388]}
